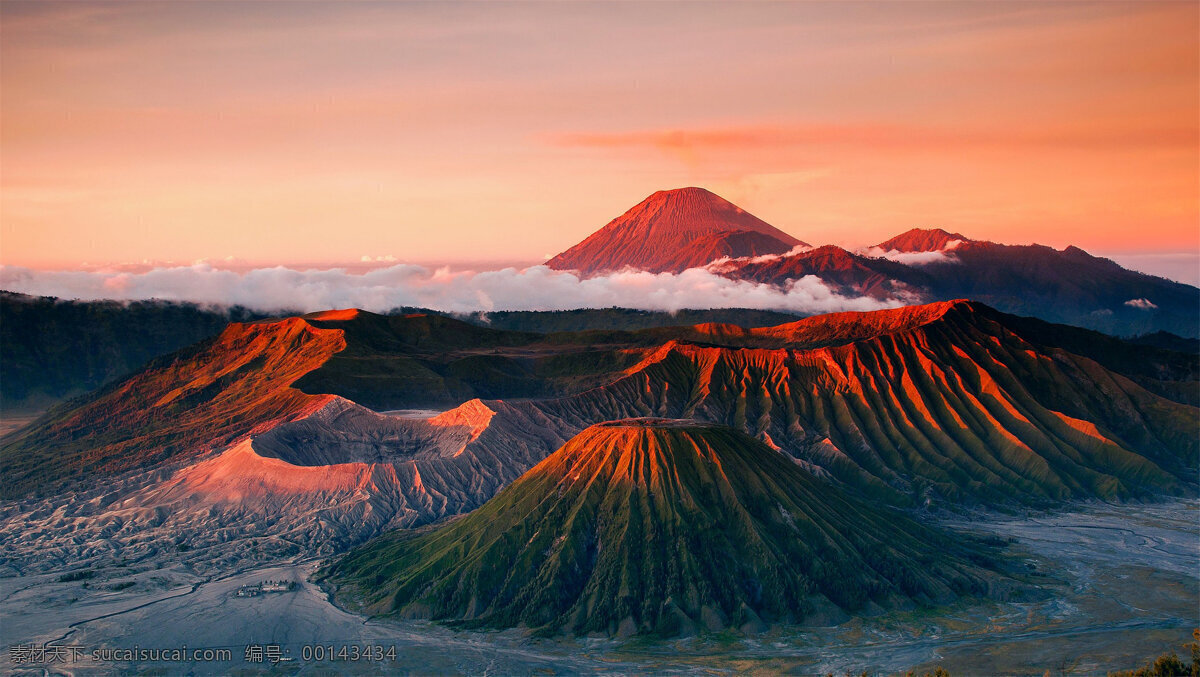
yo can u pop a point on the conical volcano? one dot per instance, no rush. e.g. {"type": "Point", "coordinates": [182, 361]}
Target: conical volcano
{"type": "Point", "coordinates": [663, 527]}
{"type": "Point", "coordinates": [673, 230]}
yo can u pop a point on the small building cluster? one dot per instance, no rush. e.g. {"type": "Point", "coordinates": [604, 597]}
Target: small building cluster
{"type": "Point", "coordinates": [266, 587]}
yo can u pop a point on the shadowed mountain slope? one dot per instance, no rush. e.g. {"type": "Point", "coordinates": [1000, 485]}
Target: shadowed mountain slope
{"type": "Point", "coordinates": [1068, 286]}
{"type": "Point", "coordinates": [671, 231]}
{"type": "Point", "coordinates": [1168, 341]}
{"type": "Point", "coordinates": [664, 527]}
{"type": "Point", "coordinates": [54, 349]}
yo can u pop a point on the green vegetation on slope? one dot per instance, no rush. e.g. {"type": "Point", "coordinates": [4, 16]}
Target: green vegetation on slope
{"type": "Point", "coordinates": [663, 527]}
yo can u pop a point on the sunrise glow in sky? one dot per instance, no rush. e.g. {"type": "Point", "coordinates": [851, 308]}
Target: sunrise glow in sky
{"type": "Point", "coordinates": [288, 133]}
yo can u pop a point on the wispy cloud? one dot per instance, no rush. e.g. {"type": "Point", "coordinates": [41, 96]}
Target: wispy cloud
{"type": "Point", "coordinates": [942, 255]}
{"type": "Point", "coordinates": [726, 264]}
{"type": "Point", "coordinates": [535, 288]}
{"type": "Point", "coordinates": [876, 136]}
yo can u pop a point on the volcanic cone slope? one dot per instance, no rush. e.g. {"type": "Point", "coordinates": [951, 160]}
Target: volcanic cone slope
{"type": "Point", "coordinates": [671, 231]}
{"type": "Point", "coordinates": [662, 527]}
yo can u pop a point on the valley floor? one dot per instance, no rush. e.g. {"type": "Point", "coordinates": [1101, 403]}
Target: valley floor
{"type": "Point", "coordinates": [1125, 584]}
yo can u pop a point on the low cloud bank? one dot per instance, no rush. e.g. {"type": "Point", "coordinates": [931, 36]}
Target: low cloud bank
{"type": "Point", "coordinates": [380, 290]}
{"type": "Point", "coordinates": [1183, 266]}
{"type": "Point", "coordinates": [914, 258]}
{"type": "Point", "coordinates": [727, 264]}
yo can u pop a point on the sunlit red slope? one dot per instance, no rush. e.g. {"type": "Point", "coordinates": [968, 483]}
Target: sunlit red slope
{"type": "Point", "coordinates": [671, 231]}
{"type": "Point", "coordinates": [923, 240]}
{"type": "Point", "coordinates": [201, 398]}
{"type": "Point", "coordinates": [946, 401]}
{"type": "Point", "coordinates": [662, 527]}
{"type": "Point", "coordinates": [254, 377]}
{"type": "Point", "coordinates": [950, 401]}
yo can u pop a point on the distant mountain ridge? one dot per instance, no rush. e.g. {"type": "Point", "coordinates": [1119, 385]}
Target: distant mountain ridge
{"type": "Point", "coordinates": [54, 349]}
{"type": "Point", "coordinates": [688, 228]}
{"type": "Point", "coordinates": [1068, 286]}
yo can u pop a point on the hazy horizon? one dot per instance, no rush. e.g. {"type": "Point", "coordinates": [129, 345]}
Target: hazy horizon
{"type": "Point", "coordinates": [185, 131]}
{"type": "Point", "coordinates": [1181, 267]}
{"type": "Point", "coordinates": [468, 286]}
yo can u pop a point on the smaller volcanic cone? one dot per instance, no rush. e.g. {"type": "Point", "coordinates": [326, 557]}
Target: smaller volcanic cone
{"type": "Point", "coordinates": [923, 240]}
{"type": "Point", "coordinates": [664, 527]}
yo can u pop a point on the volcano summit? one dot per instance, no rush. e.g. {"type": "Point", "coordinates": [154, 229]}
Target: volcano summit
{"type": "Point", "coordinates": [673, 230]}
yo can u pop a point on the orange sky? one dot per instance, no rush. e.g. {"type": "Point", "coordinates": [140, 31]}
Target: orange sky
{"type": "Point", "coordinates": [286, 133]}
